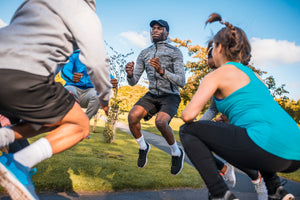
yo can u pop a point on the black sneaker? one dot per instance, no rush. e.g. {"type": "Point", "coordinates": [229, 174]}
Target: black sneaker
{"type": "Point", "coordinates": [177, 163]}
{"type": "Point", "coordinates": [142, 160]}
{"type": "Point", "coordinates": [227, 196]}
{"type": "Point", "coordinates": [281, 194]}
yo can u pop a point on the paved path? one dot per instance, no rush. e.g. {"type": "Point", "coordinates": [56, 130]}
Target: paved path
{"type": "Point", "coordinates": [244, 189]}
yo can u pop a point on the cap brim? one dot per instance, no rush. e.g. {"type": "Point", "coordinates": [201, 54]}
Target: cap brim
{"type": "Point", "coordinates": [153, 22]}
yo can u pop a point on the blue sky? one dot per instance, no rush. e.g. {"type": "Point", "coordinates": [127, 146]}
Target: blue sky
{"type": "Point", "coordinates": [272, 26]}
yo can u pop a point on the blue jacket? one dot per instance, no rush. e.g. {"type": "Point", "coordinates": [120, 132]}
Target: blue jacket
{"type": "Point", "coordinates": [75, 65]}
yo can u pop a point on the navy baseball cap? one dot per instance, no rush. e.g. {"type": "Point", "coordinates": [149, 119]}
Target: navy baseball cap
{"type": "Point", "coordinates": [160, 22]}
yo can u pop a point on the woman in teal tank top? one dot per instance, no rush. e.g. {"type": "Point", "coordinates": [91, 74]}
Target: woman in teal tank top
{"type": "Point", "coordinates": [260, 136]}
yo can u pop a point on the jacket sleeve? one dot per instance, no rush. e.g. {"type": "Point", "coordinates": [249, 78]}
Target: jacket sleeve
{"type": "Point", "coordinates": [211, 112]}
{"type": "Point", "coordinates": [138, 70]}
{"type": "Point", "coordinates": [178, 76]}
{"type": "Point", "coordinates": [87, 32]}
{"type": "Point", "coordinates": [67, 70]}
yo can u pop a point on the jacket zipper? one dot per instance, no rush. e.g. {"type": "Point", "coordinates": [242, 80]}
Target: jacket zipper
{"type": "Point", "coordinates": [155, 44]}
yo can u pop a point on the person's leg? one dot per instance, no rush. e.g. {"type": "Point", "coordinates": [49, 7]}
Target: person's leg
{"type": "Point", "coordinates": [168, 105]}
{"type": "Point", "coordinates": [73, 90]}
{"type": "Point", "coordinates": [162, 124]}
{"type": "Point", "coordinates": [228, 174]}
{"type": "Point", "coordinates": [54, 110]}
{"type": "Point", "coordinates": [229, 142]}
{"type": "Point", "coordinates": [227, 171]}
{"type": "Point", "coordinates": [220, 164]}
{"type": "Point", "coordinates": [91, 101]}
{"type": "Point", "coordinates": [66, 133]}
{"type": "Point", "coordinates": [144, 108]}
{"type": "Point", "coordinates": [134, 117]}
{"type": "Point", "coordinates": [202, 158]}
{"type": "Point", "coordinates": [17, 145]}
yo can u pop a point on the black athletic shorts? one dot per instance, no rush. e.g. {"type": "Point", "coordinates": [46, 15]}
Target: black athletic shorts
{"type": "Point", "coordinates": [153, 104]}
{"type": "Point", "coordinates": [35, 99]}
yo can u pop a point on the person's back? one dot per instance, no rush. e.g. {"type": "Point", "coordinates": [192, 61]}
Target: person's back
{"type": "Point", "coordinates": [30, 34]}
{"type": "Point", "coordinates": [254, 108]}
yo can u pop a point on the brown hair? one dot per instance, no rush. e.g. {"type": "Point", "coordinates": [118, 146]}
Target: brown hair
{"type": "Point", "coordinates": [233, 39]}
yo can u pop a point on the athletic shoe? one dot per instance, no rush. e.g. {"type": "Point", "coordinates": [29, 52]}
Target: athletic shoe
{"type": "Point", "coordinates": [142, 160]}
{"type": "Point", "coordinates": [281, 194]}
{"type": "Point", "coordinates": [228, 196]}
{"type": "Point", "coordinates": [177, 163]}
{"type": "Point", "coordinates": [16, 179]}
{"type": "Point", "coordinates": [260, 188]}
{"type": "Point", "coordinates": [229, 175]}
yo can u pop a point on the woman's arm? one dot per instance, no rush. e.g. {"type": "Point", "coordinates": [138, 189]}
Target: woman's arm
{"type": "Point", "coordinates": [207, 88]}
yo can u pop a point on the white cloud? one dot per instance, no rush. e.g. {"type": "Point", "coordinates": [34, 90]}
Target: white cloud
{"type": "Point", "coordinates": [271, 52]}
{"type": "Point", "coordinates": [2, 23]}
{"type": "Point", "coordinates": [140, 40]}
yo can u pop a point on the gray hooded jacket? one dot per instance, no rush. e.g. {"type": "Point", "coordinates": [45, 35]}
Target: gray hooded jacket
{"type": "Point", "coordinates": [171, 60]}
{"type": "Point", "coordinates": [44, 33]}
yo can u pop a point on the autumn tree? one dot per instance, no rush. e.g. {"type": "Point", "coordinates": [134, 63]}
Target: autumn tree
{"type": "Point", "coordinates": [198, 69]}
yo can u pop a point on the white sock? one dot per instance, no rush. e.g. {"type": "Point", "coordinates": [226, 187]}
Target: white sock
{"type": "Point", "coordinates": [142, 143]}
{"type": "Point", "coordinates": [175, 150]}
{"type": "Point", "coordinates": [7, 136]}
{"type": "Point", "coordinates": [34, 153]}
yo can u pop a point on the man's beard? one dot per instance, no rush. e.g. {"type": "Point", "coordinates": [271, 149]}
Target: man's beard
{"type": "Point", "coordinates": [158, 39]}
{"type": "Point", "coordinates": [161, 37]}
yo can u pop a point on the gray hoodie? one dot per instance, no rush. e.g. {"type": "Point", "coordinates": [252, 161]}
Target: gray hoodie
{"type": "Point", "coordinates": [44, 33]}
{"type": "Point", "coordinates": [171, 60]}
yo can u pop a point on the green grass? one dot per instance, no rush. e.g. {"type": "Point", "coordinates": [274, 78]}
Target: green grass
{"type": "Point", "coordinates": [95, 166]}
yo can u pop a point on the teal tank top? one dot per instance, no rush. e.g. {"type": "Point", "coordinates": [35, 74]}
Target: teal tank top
{"type": "Point", "coordinates": [268, 125]}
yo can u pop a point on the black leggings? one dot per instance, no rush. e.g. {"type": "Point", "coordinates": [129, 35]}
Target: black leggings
{"type": "Point", "coordinates": [233, 144]}
{"type": "Point", "coordinates": [253, 174]}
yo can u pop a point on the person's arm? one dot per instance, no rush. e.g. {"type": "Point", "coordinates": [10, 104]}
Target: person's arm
{"type": "Point", "coordinates": [207, 88]}
{"type": "Point", "coordinates": [178, 76]}
{"type": "Point", "coordinates": [211, 112]}
{"type": "Point", "coordinates": [138, 70]}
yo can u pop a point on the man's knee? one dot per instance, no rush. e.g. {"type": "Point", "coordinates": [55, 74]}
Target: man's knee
{"type": "Point", "coordinates": [85, 127]}
{"type": "Point", "coordinates": [80, 119]}
{"type": "Point", "coordinates": [161, 124]}
{"type": "Point", "coordinates": [135, 115]}
{"type": "Point", "coordinates": [132, 117]}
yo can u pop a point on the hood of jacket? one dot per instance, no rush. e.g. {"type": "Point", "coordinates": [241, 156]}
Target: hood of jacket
{"type": "Point", "coordinates": [92, 4]}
